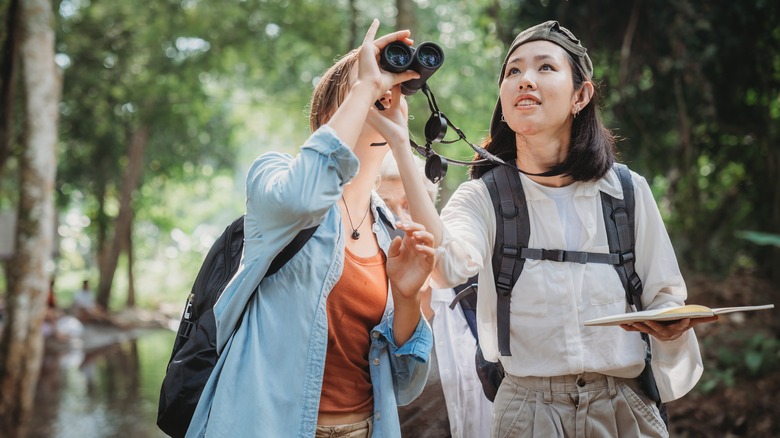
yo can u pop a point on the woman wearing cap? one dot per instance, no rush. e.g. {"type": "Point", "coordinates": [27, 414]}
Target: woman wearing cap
{"type": "Point", "coordinates": [562, 378]}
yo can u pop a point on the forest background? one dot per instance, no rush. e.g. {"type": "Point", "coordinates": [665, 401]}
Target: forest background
{"type": "Point", "coordinates": [164, 105]}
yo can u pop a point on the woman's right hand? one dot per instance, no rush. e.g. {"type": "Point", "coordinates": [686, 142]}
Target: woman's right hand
{"type": "Point", "coordinates": [368, 71]}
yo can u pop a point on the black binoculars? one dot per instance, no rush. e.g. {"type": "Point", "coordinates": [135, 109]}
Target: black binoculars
{"type": "Point", "coordinates": [397, 57]}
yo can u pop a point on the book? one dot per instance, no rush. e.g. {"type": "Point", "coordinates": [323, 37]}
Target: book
{"type": "Point", "coordinates": [671, 314]}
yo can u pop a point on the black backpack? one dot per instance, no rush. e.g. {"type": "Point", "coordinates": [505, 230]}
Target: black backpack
{"type": "Point", "coordinates": [194, 350]}
{"type": "Point", "coordinates": [490, 373]}
{"type": "Point", "coordinates": [511, 250]}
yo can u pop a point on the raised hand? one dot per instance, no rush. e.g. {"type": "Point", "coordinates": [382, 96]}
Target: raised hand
{"type": "Point", "coordinates": [392, 122]}
{"type": "Point", "coordinates": [410, 260]}
{"type": "Point", "coordinates": [368, 61]}
{"type": "Point", "coordinates": [368, 84]}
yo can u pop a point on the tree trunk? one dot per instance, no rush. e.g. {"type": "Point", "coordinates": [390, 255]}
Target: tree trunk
{"type": "Point", "coordinates": [7, 79]}
{"type": "Point", "coordinates": [21, 348]}
{"type": "Point", "coordinates": [130, 182]}
{"type": "Point", "coordinates": [130, 278]}
{"type": "Point", "coordinates": [405, 19]}
{"type": "Point", "coordinates": [354, 35]}
{"type": "Point", "coordinates": [625, 48]}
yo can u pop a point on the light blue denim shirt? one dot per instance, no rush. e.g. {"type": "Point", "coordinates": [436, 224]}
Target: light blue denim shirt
{"type": "Point", "coordinates": [268, 378]}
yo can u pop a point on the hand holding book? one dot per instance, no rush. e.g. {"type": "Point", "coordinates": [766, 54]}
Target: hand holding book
{"type": "Point", "coordinates": [671, 314]}
{"type": "Point", "coordinates": [669, 323]}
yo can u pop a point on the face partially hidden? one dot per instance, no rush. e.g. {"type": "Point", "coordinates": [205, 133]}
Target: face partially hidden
{"type": "Point", "coordinates": [391, 190]}
{"type": "Point", "coordinates": [368, 133]}
{"type": "Point", "coordinates": [537, 92]}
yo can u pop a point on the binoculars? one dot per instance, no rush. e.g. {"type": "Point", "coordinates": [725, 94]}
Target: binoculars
{"type": "Point", "coordinates": [397, 57]}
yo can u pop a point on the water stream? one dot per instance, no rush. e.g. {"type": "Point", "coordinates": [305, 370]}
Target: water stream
{"type": "Point", "coordinates": [111, 391]}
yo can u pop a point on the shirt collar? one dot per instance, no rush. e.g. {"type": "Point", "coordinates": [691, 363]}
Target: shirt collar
{"type": "Point", "coordinates": [609, 184]}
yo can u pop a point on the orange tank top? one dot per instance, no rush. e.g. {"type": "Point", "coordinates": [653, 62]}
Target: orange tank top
{"type": "Point", "coordinates": [355, 306]}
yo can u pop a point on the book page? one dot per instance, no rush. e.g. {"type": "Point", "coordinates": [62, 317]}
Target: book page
{"type": "Point", "coordinates": [722, 310]}
{"type": "Point", "coordinates": [670, 314]}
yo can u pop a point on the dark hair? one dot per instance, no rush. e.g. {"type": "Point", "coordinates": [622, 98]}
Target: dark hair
{"type": "Point", "coordinates": [591, 148]}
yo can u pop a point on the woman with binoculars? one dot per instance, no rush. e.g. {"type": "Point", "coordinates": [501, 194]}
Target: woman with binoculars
{"type": "Point", "coordinates": [331, 343]}
{"type": "Point", "coordinates": [562, 378]}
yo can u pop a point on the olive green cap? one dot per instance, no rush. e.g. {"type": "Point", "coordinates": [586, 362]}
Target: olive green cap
{"type": "Point", "coordinates": [547, 31]}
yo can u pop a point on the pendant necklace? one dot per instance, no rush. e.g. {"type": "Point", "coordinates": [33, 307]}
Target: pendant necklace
{"type": "Point", "coordinates": [355, 234]}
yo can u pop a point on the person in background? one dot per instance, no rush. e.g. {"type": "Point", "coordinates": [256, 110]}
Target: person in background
{"type": "Point", "coordinates": [330, 344]}
{"type": "Point", "coordinates": [52, 315]}
{"type": "Point", "coordinates": [88, 311]}
{"type": "Point", "coordinates": [452, 403]}
{"type": "Point", "coordinates": [562, 378]}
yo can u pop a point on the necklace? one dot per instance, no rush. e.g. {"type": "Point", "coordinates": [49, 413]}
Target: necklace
{"type": "Point", "coordinates": [355, 234]}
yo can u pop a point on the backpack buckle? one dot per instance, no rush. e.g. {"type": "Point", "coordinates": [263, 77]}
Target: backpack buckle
{"type": "Point", "coordinates": [626, 257]}
{"type": "Point", "coordinates": [555, 255]}
{"type": "Point", "coordinates": [186, 329]}
{"type": "Point", "coordinates": [504, 284]}
{"type": "Point", "coordinates": [510, 251]}
{"type": "Point", "coordinates": [635, 284]}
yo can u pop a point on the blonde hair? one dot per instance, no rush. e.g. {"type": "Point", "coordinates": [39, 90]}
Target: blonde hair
{"type": "Point", "coordinates": [389, 171]}
{"type": "Point", "coordinates": [331, 90]}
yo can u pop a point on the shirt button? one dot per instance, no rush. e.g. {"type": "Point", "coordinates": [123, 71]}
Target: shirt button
{"type": "Point", "coordinates": [375, 335]}
{"type": "Point", "coordinates": [375, 227]}
{"type": "Point", "coordinates": [377, 416]}
{"type": "Point", "coordinates": [376, 361]}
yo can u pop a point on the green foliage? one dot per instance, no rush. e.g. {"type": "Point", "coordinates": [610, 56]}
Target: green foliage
{"type": "Point", "coordinates": [738, 356]}
{"type": "Point", "coordinates": [697, 111]}
{"type": "Point", "coordinates": [218, 83]}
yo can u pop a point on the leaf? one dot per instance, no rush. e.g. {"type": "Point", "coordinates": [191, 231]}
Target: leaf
{"type": "Point", "coordinates": [753, 360]}
{"type": "Point", "coordinates": [759, 238]}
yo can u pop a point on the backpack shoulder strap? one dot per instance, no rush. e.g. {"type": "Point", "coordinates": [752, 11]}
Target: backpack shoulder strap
{"type": "Point", "coordinates": [290, 250]}
{"type": "Point", "coordinates": [619, 222]}
{"type": "Point", "coordinates": [513, 231]}
{"type": "Point", "coordinates": [466, 296]}
{"type": "Point", "coordinates": [390, 224]}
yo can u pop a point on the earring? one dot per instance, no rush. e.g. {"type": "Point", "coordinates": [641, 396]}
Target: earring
{"type": "Point", "coordinates": [502, 118]}
{"type": "Point", "coordinates": [576, 111]}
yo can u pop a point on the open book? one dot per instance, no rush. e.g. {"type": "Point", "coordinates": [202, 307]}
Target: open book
{"type": "Point", "coordinates": [671, 314]}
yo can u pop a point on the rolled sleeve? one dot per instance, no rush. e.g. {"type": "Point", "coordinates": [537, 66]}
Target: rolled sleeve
{"type": "Point", "coordinates": [418, 347]}
{"type": "Point", "coordinates": [409, 364]}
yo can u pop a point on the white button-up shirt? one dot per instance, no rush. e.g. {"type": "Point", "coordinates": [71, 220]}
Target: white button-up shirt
{"type": "Point", "coordinates": [551, 300]}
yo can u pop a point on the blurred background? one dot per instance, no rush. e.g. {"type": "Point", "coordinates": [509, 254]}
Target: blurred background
{"type": "Point", "coordinates": [157, 108]}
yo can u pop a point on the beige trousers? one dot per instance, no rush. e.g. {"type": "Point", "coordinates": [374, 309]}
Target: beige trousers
{"type": "Point", "coordinates": [590, 405]}
{"type": "Point", "coordinates": [361, 429]}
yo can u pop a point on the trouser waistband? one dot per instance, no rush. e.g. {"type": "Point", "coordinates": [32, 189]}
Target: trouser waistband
{"type": "Point", "coordinates": [572, 383]}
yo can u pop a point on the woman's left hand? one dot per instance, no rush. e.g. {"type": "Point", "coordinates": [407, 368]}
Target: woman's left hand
{"type": "Point", "coordinates": [410, 260]}
{"type": "Point", "coordinates": [392, 122]}
{"type": "Point", "coordinates": [666, 331]}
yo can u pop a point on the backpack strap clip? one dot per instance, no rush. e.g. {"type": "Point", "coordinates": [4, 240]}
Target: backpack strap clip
{"type": "Point", "coordinates": [504, 284]}
{"type": "Point", "coordinates": [510, 251]}
{"type": "Point", "coordinates": [553, 255]}
{"type": "Point", "coordinates": [635, 289]}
